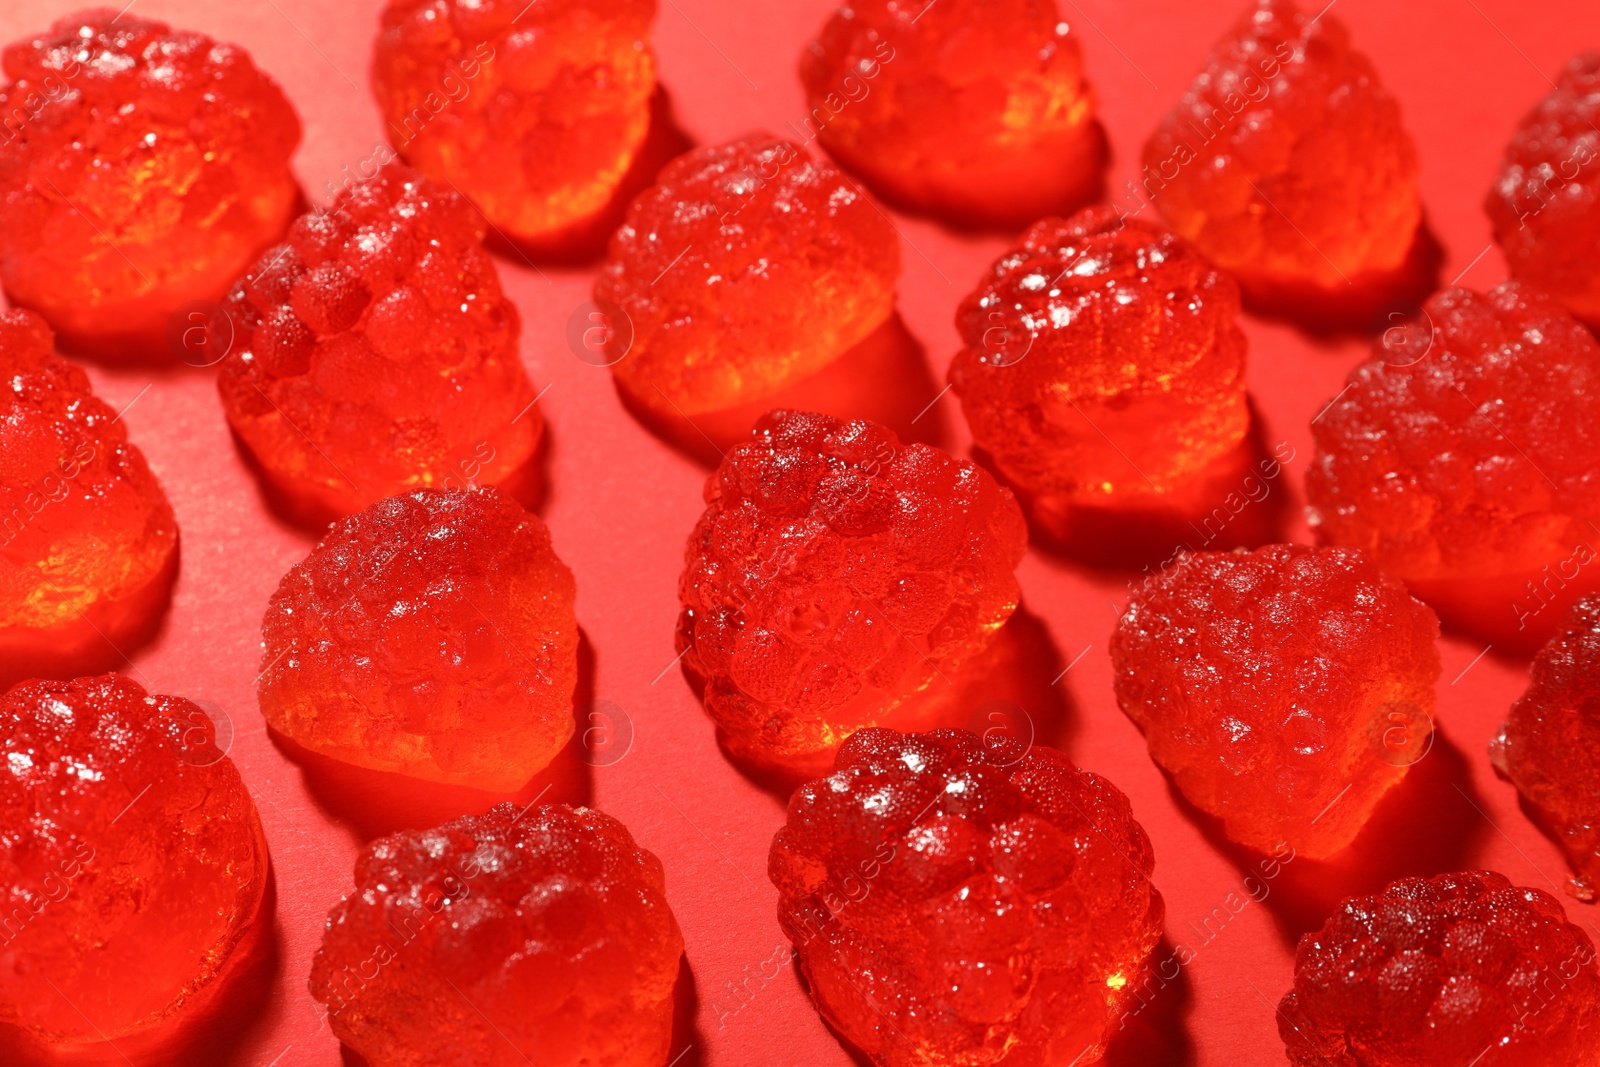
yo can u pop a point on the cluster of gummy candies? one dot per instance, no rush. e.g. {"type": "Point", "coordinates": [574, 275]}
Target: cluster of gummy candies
{"type": "Point", "coordinates": [369, 348]}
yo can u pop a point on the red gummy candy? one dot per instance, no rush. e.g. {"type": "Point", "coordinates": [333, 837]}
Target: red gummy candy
{"type": "Point", "coordinates": [745, 268]}
{"type": "Point", "coordinates": [140, 168]}
{"type": "Point", "coordinates": [1286, 162]}
{"type": "Point", "coordinates": [375, 351]}
{"type": "Point", "coordinates": [1543, 205]}
{"type": "Point", "coordinates": [502, 940]}
{"type": "Point", "coordinates": [1104, 364]}
{"type": "Point", "coordinates": [432, 635]}
{"type": "Point", "coordinates": [835, 575]}
{"type": "Point", "coordinates": [957, 903]}
{"type": "Point", "coordinates": [1462, 457]}
{"type": "Point", "coordinates": [1550, 745]}
{"type": "Point", "coordinates": [87, 538]}
{"type": "Point", "coordinates": [972, 109]}
{"type": "Point", "coordinates": [534, 110]}
{"type": "Point", "coordinates": [132, 864]}
{"type": "Point", "coordinates": [1457, 970]}
{"type": "Point", "coordinates": [1285, 690]}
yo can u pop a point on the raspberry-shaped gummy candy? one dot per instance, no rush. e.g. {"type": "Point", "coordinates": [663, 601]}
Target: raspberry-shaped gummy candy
{"type": "Point", "coordinates": [835, 575]}
{"type": "Point", "coordinates": [535, 111]}
{"type": "Point", "coordinates": [504, 939]}
{"type": "Point", "coordinates": [140, 168]}
{"type": "Point", "coordinates": [132, 864]}
{"type": "Point", "coordinates": [970, 109]}
{"type": "Point", "coordinates": [432, 635]}
{"type": "Point", "coordinates": [87, 538]}
{"type": "Point", "coordinates": [953, 902]}
{"type": "Point", "coordinates": [1286, 162]}
{"type": "Point", "coordinates": [745, 268]}
{"type": "Point", "coordinates": [375, 351]}
{"type": "Point", "coordinates": [1285, 690]}
{"type": "Point", "coordinates": [1550, 744]}
{"type": "Point", "coordinates": [1462, 456]}
{"type": "Point", "coordinates": [1103, 364]}
{"type": "Point", "coordinates": [1544, 204]}
{"type": "Point", "coordinates": [1457, 970]}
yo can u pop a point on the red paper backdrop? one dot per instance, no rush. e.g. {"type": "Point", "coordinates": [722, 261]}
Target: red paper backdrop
{"type": "Point", "coordinates": [620, 504]}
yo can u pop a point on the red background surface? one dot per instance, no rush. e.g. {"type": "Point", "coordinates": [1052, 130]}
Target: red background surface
{"type": "Point", "coordinates": [620, 504]}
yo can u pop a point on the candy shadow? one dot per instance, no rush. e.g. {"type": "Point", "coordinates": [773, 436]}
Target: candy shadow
{"type": "Point", "coordinates": [212, 1028]}
{"type": "Point", "coordinates": [377, 803]}
{"type": "Point", "coordinates": [584, 242]}
{"type": "Point", "coordinates": [1516, 615]}
{"type": "Point", "coordinates": [688, 1043]}
{"type": "Point", "coordinates": [1153, 1030]}
{"type": "Point", "coordinates": [884, 378]}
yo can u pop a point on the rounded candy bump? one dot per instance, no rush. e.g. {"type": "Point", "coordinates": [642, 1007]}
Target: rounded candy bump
{"type": "Point", "coordinates": [432, 635]}
{"type": "Point", "coordinates": [1285, 690]}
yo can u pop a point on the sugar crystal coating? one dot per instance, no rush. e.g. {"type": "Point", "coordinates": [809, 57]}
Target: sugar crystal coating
{"type": "Point", "coordinates": [142, 168]}
{"type": "Point", "coordinates": [375, 351]}
{"type": "Point", "coordinates": [954, 902]}
{"type": "Point", "coordinates": [132, 862]}
{"type": "Point", "coordinates": [535, 111]}
{"type": "Point", "coordinates": [1286, 162]}
{"type": "Point", "coordinates": [1550, 744]}
{"type": "Point", "coordinates": [1455, 970]}
{"type": "Point", "coordinates": [1285, 690]}
{"type": "Point", "coordinates": [748, 266]}
{"type": "Point", "coordinates": [515, 937]}
{"type": "Point", "coordinates": [431, 634]}
{"type": "Point", "coordinates": [973, 109]}
{"type": "Point", "coordinates": [1545, 204]}
{"type": "Point", "coordinates": [85, 529]}
{"type": "Point", "coordinates": [835, 574]}
{"type": "Point", "coordinates": [1103, 362]}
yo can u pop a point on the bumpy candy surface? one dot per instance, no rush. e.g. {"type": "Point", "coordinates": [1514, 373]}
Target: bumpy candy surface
{"type": "Point", "coordinates": [131, 859]}
{"type": "Point", "coordinates": [747, 266]}
{"type": "Point", "coordinates": [1103, 362]}
{"type": "Point", "coordinates": [1286, 162]}
{"type": "Point", "coordinates": [432, 635]}
{"type": "Point", "coordinates": [1456, 970]}
{"type": "Point", "coordinates": [835, 574]}
{"type": "Point", "coordinates": [499, 940]}
{"type": "Point", "coordinates": [960, 902]}
{"type": "Point", "coordinates": [974, 110]}
{"type": "Point", "coordinates": [1545, 205]}
{"type": "Point", "coordinates": [140, 168]}
{"type": "Point", "coordinates": [1285, 690]}
{"type": "Point", "coordinates": [535, 111]}
{"type": "Point", "coordinates": [86, 534]}
{"type": "Point", "coordinates": [1550, 744]}
{"type": "Point", "coordinates": [1464, 450]}
{"type": "Point", "coordinates": [375, 351]}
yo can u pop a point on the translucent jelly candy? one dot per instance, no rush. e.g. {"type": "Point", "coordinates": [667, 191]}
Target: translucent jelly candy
{"type": "Point", "coordinates": [973, 110]}
{"type": "Point", "coordinates": [140, 168]}
{"type": "Point", "coordinates": [835, 574]}
{"type": "Point", "coordinates": [432, 635]}
{"type": "Point", "coordinates": [375, 351]}
{"type": "Point", "coordinates": [540, 936]}
{"type": "Point", "coordinates": [1462, 457]}
{"type": "Point", "coordinates": [535, 111]}
{"type": "Point", "coordinates": [954, 902]}
{"type": "Point", "coordinates": [1286, 162]}
{"type": "Point", "coordinates": [1285, 690]}
{"type": "Point", "coordinates": [132, 863]}
{"type": "Point", "coordinates": [1543, 204]}
{"type": "Point", "coordinates": [87, 538]}
{"type": "Point", "coordinates": [1104, 364]}
{"type": "Point", "coordinates": [1550, 745]}
{"type": "Point", "coordinates": [747, 267]}
{"type": "Point", "coordinates": [1455, 970]}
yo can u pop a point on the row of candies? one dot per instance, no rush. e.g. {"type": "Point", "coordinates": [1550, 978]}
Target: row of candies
{"type": "Point", "coordinates": [836, 571]}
